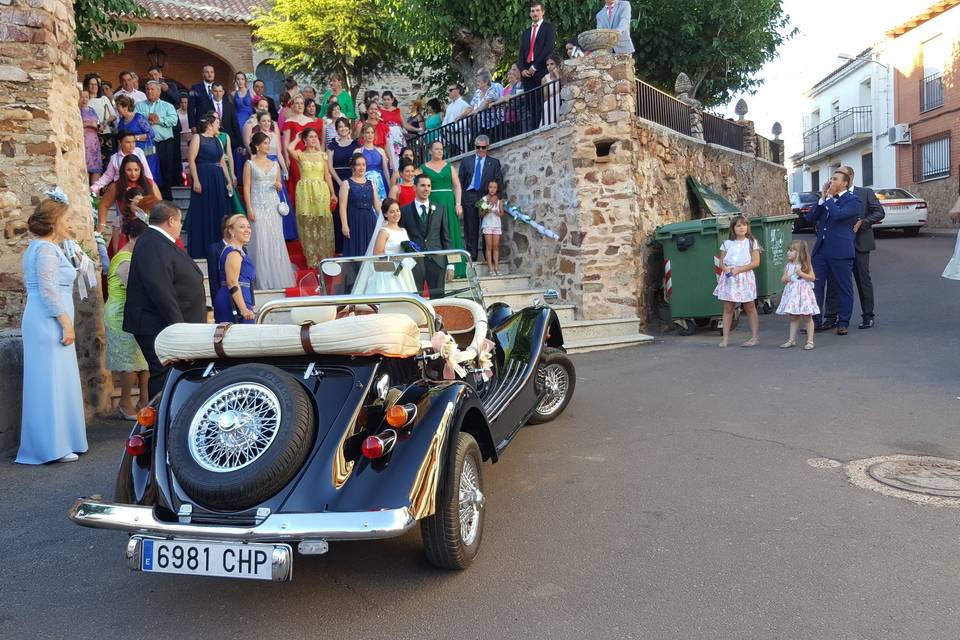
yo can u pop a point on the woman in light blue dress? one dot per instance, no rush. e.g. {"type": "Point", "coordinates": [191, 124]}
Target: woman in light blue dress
{"type": "Point", "coordinates": [52, 427]}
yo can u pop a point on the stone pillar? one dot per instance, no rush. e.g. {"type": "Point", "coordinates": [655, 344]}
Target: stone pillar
{"type": "Point", "coordinates": [749, 136]}
{"type": "Point", "coordinates": [682, 87]}
{"type": "Point", "coordinates": [599, 100]}
{"type": "Point", "coordinates": [41, 145]}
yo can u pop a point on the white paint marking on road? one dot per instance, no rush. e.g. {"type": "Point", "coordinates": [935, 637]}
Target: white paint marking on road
{"type": "Point", "coordinates": [824, 463]}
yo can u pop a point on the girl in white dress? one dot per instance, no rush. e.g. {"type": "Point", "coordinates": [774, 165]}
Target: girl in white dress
{"type": "Point", "coordinates": [388, 240]}
{"type": "Point", "coordinates": [739, 256]}
{"type": "Point", "coordinates": [797, 299]}
{"type": "Point", "coordinates": [261, 189]}
{"type": "Point", "coordinates": [490, 226]}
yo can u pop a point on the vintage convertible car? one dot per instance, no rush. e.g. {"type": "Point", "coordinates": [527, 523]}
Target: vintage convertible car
{"type": "Point", "coordinates": [340, 416]}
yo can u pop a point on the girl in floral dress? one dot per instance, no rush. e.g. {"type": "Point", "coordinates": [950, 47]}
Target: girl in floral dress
{"type": "Point", "coordinates": [91, 138]}
{"type": "Point", "coordinates": [739, 256]}
{"type": "Point", "coordinates": [797, 299]}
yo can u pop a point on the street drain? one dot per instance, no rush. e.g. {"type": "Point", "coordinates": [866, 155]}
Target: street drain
{"type": "Point", "coordinates": [932, 476]}
{"type": "Point", "coordinates": [921, 479]}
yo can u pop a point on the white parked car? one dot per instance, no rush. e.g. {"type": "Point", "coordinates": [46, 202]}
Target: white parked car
{"type": "Point", "coordinates": [903, 211]}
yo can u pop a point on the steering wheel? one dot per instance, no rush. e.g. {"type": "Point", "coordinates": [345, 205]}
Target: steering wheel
{"type": "Point", "coordinates": [346, 310]}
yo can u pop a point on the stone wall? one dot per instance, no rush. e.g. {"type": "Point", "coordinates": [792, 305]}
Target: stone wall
{"type": "Point", "coordinates": [940, 196]}
{"type": "Point", "coordinates": [41, 145]}
{"type": "Point", "coordinates": [605, 180]}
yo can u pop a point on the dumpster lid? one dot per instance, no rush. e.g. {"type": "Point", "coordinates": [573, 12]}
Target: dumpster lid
{"type": "Point", "coordinates": [702, 226]}
{"type": "Point", "coordinates": [775, 218]}
{"type": "Point", "coordinates": [710, 201]}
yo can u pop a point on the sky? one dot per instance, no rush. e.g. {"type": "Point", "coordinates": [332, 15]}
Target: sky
{"type": "Point", "coordinates": [812, 54]}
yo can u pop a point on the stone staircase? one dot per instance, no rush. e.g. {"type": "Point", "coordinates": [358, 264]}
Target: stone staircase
{"type": "Point", "coordinates": [580, 336]}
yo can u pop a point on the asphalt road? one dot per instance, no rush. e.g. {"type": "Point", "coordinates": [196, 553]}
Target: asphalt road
{"type": "Point", "coordinates": [673, 499]}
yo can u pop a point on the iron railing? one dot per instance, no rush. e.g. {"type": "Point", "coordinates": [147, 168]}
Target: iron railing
{"type": "Point", "coordinates": [838, 129]}
{"type": "Point", "coordinates": [931, 91]}
{"type": "Point", "coordinates": [656, 106]}
{"type": "Point", "coordinates": [725, 133]}
{"type": "Point", "coordinates": [520, 114]}
{"type": "Point", "coordinates": [768, 149]}
{"type": "Point", "coordinates": [931, 158]}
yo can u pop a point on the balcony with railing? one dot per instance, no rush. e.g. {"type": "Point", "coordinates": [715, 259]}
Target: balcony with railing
{"type": "Point", "coordinates": [842, 130]}
{"type": "Point", "coordinates": [931, 92]}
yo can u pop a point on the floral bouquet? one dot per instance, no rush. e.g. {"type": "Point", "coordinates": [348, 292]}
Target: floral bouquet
{"type": "Point", "coordinates": [408, 246]}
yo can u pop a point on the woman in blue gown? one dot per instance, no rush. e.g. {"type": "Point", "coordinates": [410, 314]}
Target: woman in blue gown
{"type": "Point", "coordinates": [52, 426]}
{"type": "Point", "coordinates": [243, 105]}
{"type": "Point", "coordinates": [359, 204]}
{"type": "Point", "coordinates": [209, 198]}
{"type": "Point", "coordinates": [234, 301]}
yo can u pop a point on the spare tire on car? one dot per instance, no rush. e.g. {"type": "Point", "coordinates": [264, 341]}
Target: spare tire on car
{"type": "Point", "coordinates": [241, 436]}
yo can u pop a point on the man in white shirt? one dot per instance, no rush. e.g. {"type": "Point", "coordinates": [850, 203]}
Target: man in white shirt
{"type": "Point", "coordinates": [200, 99]}
{"type": "Point", "coordinates": [457, 137]}
{"type": "Point", "coordinates": [128, 87]}
{"type": "Point", "coordinates": [426, 224]}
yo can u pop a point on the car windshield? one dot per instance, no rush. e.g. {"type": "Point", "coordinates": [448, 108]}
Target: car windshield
{"type": "Point", "coordinates": [892, 194]}
{"type": "Point", "coordinates": [402, 273]}
{"type": "Point", "coordinates": [805, 197]}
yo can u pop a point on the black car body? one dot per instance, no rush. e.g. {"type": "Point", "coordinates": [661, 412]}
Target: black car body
{"type": "Point", "coordinates": [245, 457]}
{"type": "Point", "coordinates": [802, 203]}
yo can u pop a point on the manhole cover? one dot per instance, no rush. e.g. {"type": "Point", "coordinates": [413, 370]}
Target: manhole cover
{"type": "Point", "coordinates": [935, 477]}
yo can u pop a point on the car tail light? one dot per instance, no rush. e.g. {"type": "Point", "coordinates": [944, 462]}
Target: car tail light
{"type": "Point", "coordinates": [377, 446]}
{"type": "Point", "coordinates": [806, 208]}
{"type": "Point", "coordinates": [400, 415]}
{"type": "Point", "coordinates": [147, 417]}
{"type": "Point", "coordinates": [136, 445]}
{"type": "Point", "coordinates": [921, 205]}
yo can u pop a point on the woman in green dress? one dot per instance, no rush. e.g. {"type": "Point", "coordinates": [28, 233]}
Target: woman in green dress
{"type": "Point", "coordinates": [446, 192]}
{"type": "Point", "coordinates": [235, 195]}
{"type": "Point", "coordinates": [123, 355]}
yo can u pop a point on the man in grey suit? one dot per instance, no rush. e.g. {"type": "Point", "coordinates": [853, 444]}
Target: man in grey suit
{"type": "Point", "coordinates": [871, 212]}
{"type": "Point", "coordinates": [615, 14]}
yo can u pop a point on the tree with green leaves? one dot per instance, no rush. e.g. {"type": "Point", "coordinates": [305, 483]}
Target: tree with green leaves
{"type": "Point", "coordinates": [101, 24]}
{"type": "Point", "coordinates": [354, 39]}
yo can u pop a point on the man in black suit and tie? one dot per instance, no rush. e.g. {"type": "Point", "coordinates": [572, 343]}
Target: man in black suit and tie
{"type": "Point", "coordinates": [426, 224]}
{"type": "Point", "coordinates": [200, 99]}
{"type": "Point", "coordinates": [259, 89]}
{"type": "Point", "coordinates": [164, 287]}
{"type": "Point", "coordinates": [537, 42]}
{"type": "Point", "coordinates": [476, 173]}
{"type": "Point", "coordinates": [871, 212]}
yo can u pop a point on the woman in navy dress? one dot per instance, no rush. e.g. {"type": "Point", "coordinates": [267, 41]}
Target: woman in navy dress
{"type": "Point", "coordinates": [52, 426]}
{"type": "Point", "coordinates": [234, 301]}
{"type": "Point", "coordinates": [341, 150]}
{"type": "Point", "coordinates": [212, 189]}
{"type": "Point", "coordinates": [243, 105]}
{"type": "Point", "coordinates": [359, 204]}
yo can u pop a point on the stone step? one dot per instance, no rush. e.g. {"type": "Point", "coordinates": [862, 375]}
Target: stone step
{"type": "Point", "coordinates": [606, 343]}
{"type": "Point", "coordinates": [515, 298]}
{"type": "Point", "coordinates": [483, 271]}
{"type": "Point", "coordinates": [493, 284]}
{"type": "Point", "coordinates": [565, 313]}
{"type": "Point", "coordinates": [607, 328]}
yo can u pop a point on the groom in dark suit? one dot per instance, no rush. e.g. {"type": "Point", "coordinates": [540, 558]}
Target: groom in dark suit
{"type": "Point", "coordinates": [834, 218]}
{"type": "Point", "coordinates": [164, 287]}
{"type": "Point", "coordinates": [426, 224]}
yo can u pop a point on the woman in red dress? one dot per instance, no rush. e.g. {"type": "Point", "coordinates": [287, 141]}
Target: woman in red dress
{"type": "Point", "coordinates": [381, 129]}
{"type": "Point", "coordinates": [296, 122]}
{"type": "Point", "coordinates": [389, 111]}
{"type": "Point", "coordinates": [403, 191]}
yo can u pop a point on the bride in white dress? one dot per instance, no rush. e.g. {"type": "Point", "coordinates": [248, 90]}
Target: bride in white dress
{"type": "Point", "coordinates": [387, 240]}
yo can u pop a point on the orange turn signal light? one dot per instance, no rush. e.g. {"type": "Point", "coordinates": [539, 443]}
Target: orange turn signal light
{"type": "Point", "coordinates": [400, 414]}
{"type": "Point", "coordinates": [147, 417]}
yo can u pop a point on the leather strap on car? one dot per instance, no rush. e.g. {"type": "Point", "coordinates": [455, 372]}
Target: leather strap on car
{"type": "Point", "coordinates": [305, 338]}
{"type": "Point", "coordinates": [218, 336]}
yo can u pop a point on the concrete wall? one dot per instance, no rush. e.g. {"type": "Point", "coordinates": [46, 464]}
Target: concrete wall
{"type": "Point", "coordinates": [41, 145]}
{"type": "Point", "coordinates": [604, 180]}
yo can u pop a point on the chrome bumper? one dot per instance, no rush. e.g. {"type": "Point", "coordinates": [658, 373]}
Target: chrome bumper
{"type": "Point", "coordinates": [360, 525]}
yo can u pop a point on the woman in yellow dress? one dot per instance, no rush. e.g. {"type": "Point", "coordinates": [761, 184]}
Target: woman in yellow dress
{"type": "Point", "coordinates": [314, 197]}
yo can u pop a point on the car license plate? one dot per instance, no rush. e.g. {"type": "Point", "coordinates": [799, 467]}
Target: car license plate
{"type": "Point", "coordinates": [223, 559]}
{"type": "Point", "coordinates": [900, 207]}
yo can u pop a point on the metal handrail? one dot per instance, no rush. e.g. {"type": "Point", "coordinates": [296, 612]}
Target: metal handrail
{"type": "Point", "coordinates": [841, 127]}
{"type": "Point", "coordinates": [520, 114]}
{"type": "Point", "coordinates": [327, 301]}
{"type": "Point", "coordinates": [661, 107]}
{"type": "Point", "coordinates": [725, 133]}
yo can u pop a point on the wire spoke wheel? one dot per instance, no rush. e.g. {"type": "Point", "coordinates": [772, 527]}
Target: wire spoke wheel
{"type": "Point", "coordinates": [471, 502]}
{"type": "Point", "coordinates": [234, 427]}
{"type": "Point", "coordinates": [555, 383]}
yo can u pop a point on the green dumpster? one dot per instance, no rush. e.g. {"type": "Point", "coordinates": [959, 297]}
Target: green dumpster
{"type": "Point", "coordinates": [689, 249]}
{"type": "Point", "coordinates": [774, 234]}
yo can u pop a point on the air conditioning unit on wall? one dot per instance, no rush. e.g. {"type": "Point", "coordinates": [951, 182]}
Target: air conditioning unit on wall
{"type": "Point", "coordinates": [899, 134]}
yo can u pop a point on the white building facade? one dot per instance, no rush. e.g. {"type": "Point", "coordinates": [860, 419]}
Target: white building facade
{"type": "Point", "coordinates": [847, 122]}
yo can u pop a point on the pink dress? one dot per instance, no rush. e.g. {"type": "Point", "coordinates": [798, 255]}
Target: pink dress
{"type": "Point", "coordinates": [797, 298]}
{"type": "Point", "coordinates": [91, 140]}
{"type": "Point", "coordinates": [743, 286]}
